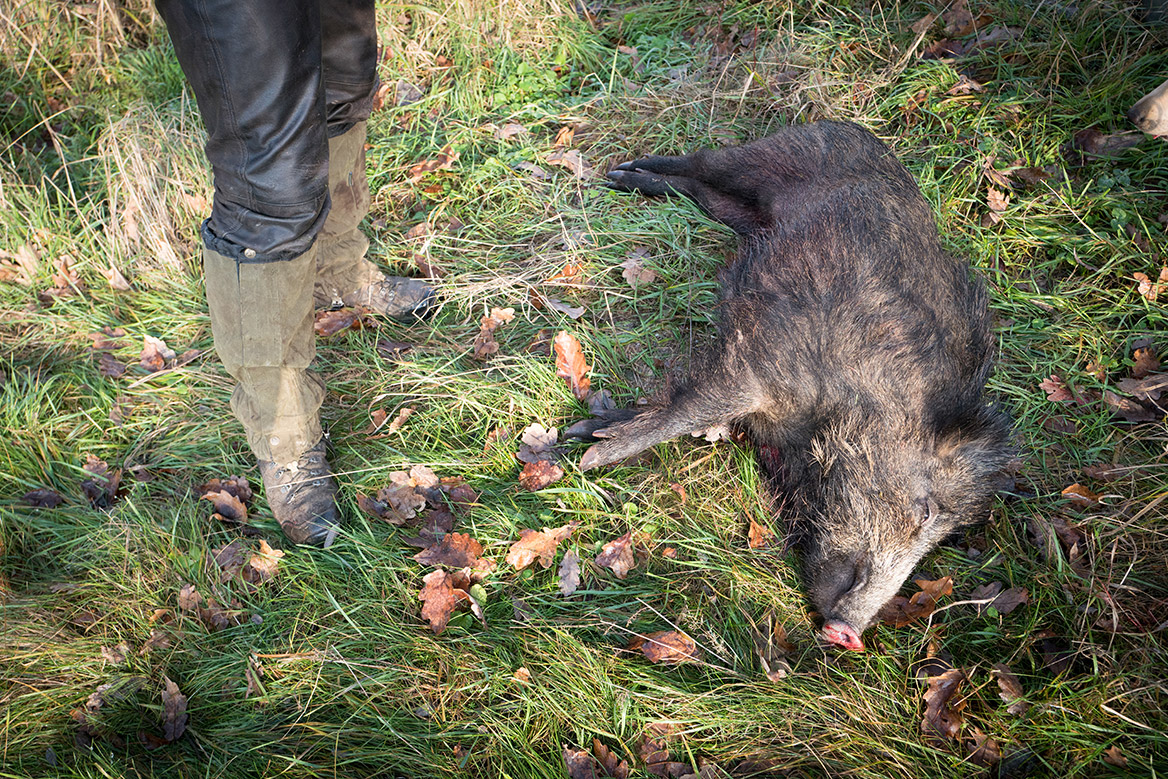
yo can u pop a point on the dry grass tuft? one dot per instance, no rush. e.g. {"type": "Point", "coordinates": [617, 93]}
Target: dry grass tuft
{"type": "Point", "coordinates": [159, 188]}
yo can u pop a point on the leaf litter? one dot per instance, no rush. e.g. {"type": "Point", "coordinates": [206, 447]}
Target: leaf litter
{"type": "Point", "coordinates": [538, 546]}
{"type": "Point", "coordinates": [537, 452]}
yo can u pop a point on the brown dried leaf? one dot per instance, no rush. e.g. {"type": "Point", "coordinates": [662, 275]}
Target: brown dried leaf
{"type": "Point", "coordinates": [564, 137]}
{"type": "Point", "coordinates": [509, 131]}
{"type": "Point", "coordinates": [965, 86]}
{"type": "Point", "coordinates": [485, 344]}
{"type": "Point", "coordinates": [174, 711]}
{"type": "Point", "coordinates": [329, 323]}
{"type": "Point", "coordinates": [115, 278]}
{"type": "Point", "coordinates": [612, 765]}
{"type": "Point", "coordinates": [102, 486]}
{"type": "Point", "coordinates": [668, 647]}
{"type": "Point", "coordinates": [444, 160]}
{"type": "Point", "coordinates": [379, 509]}
{"type": "Point", "coordinates": [1144, 361]}
{"type": "Point", "coordinates": [570, 364]}
{"type": "Point", "coordinates": [1114, 756]}
{"type": "Point", "coordinates": [573, 161]}
{"type": "Point", "coordinates": [997, 200]}
{"type": "Point", "coordinates": [1010, 689]}
{"type": "Point", "coordinates": [1081, 496]}
{"type": "Point", "coordinates": [983, 750]}
{"type": "Point", "coordinates": [155, 354]}
{"type": "Point", "coordinates": [262, 565]}
{"type": "Point", "coordinates": [189, 598]}
{"type": "Point", "coordinates": [115, 655]}
{"type": "Point", "coordinates": [760, 535]}
{"type": "Point", "coordinates": [229, 558]}
{"type": "Point", "coordinates": [438, 599]}
{"type": "Point", "coordinates": [1149, 388]}
{"type": "Point", "coordinates": [109, 366]}
{"type": "Point", "coordinates": [1056, 390]}
{"type": "Point", "coordinates": [618, 556]}
{"type": "Point", "coordinates": [569, 573]}
{"type": "Point", "coordinates": [901, 611]}
{"type": "Point", "coordinates": [920, 26]}
{"type": "Point", "coordinates": [20, 266]}
{"type": "Point", "coordinates": [538, 443]}
{"type": "Point", "coordinates": [402, 495]}
{"type": "Point", "coordinates": [635, 272]}
{"type": "Point", "coordinates": [234, 485]}
{"type": "Point", "coordinates": [455, 550]}
{"type": "Point", "coordinates": [580, 764]}
{"type": "Point", "coordinates": [43, 498]}
{"type": "Point", "coordinates": [538, 545]}
{"type": "Point", "coordinates": [228, 508]}
{"type": "Point", "coordinates": [773, 647]}
{"type": "Point", "coordinates": [539, 475]}
{"type": "Point", "coordinates": [1129, 409]}
{"type": "Point", "coordinates": [942, 714]}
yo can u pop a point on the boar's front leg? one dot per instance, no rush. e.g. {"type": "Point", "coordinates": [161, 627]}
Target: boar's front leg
{"type": "Point", "coordinates": [664, 176]}
{"type": "Point", "coordinates": [719, 398]}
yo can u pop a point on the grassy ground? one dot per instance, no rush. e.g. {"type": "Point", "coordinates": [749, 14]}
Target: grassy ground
{"type": "Point", "coordinates": [332, 671]}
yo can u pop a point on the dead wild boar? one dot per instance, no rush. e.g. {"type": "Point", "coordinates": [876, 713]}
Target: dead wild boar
{"type": "Point", "coordinates": [852, 351]}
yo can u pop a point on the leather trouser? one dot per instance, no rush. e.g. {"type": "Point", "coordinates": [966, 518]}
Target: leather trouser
{"type": "Point", "coordinates": [284, 88]}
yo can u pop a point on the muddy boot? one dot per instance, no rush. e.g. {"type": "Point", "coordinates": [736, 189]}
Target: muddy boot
{"type": "Point", "coordinates": [344, 276]}
{"type": "Point", "coordinates": [401, 299]}
{"type": "Point", "coordinates": [261, 317]}
{"type": "Point", "coordinates": [302, 496]}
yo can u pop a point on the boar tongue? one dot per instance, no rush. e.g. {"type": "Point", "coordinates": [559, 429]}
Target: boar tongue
{"type": "Point", "coordinates": [843, 634]}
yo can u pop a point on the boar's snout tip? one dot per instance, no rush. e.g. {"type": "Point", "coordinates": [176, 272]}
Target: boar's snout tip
{"type": "Point", "coordinates": [842, 634]}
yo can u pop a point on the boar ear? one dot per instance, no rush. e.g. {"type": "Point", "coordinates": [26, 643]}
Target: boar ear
{"type": "Point", "coordinates": [976, 445]}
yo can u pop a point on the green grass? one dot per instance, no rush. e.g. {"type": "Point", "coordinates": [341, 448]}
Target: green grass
{"type": "Point", "coordinates": [353, 682]}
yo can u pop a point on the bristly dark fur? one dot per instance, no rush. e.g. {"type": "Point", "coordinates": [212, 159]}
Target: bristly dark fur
{"type": "Point", "coordinates": [852, 350]}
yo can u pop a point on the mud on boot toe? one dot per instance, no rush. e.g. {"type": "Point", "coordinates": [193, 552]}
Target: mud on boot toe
{"type": "Point", "coordinates": [302, 496]}
{"type": "Point", "coordinates": [401, 299]}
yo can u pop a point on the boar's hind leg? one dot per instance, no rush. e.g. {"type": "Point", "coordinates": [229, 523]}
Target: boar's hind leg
{"type": "Point", "coordinates": [656, 177]}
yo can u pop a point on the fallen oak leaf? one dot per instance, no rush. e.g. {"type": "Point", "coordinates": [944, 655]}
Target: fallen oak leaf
{"type": "Point", "coordinates": [102, 486]}
{"type": "Point", "coordinates": [540, 475]}
{"type": "Point", "coordinates": [234, 485]}
{"type": "Point", "coordinates": [485, 344]}
{"type": "Point", "coordinates": [983, 750]}
{"type": "Point", "coordinates": [115, 278]}
{"type": "Point", "coordinates": [1010, 689]}
{"type": "Point", "coordinates": [635, 272]}
{"type": "Point", "coordinates": [174, 711]}
{"type": "Point", "coordinates": [613, 766]}
{"type": "Point", "coordinates": [901, 611]}
{"type": "Point", "coordinates": [573, 161]}
{"type": "Point", "coordinates": [942, 717]}
{"type": "Point", "coordinates": [230, 560]}
{"type": "Point", "coordinates": [668, 647]}
{"type": "Point", "coordinates": [569, 573]}
{"type": "Point", "coordinates": [1081, 496]}
{"type": "Point", "coordinates": [330, 322]}
{"type": "Point", "coordinates": [261, 566]}
{"type": "Point", "coordinates": [439, 599]}
{"type": "Point", "coordinates": [228, 508]}
{"type": "Point", "coordinates": [155, 354]}
{"type": "Point", "coordinates": [444, 160]}
{"type": "Point", "coordinates": [571, 366]}
{"type": "Point", "coordinates": [538, 545]}
{"type": "Point", "coordinates": [759, 535]}
{"type": "Point", "coordinates": [455, 550]}
{"type": "Point", "coordinates": [109, 366]}
{"type": "Point", "coordinates": [1144, 361]}
{"type": "Point", "coordinates": [43, 498]}
{"type": "Point", "coordinates": [618, 556]}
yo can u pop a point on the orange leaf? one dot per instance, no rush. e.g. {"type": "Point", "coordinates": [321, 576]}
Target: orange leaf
{"type": "Point", "coordinates": [570, 364]}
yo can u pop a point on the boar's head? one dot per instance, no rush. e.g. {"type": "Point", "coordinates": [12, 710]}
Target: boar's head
{"type": "Point", "coordinates": [877, 499]}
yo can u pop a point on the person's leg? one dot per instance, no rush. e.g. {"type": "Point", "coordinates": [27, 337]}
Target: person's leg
{"type": "Point", "coordinates": [256, 72]}
{"type": "Point", "coordinates": [344, 275]}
